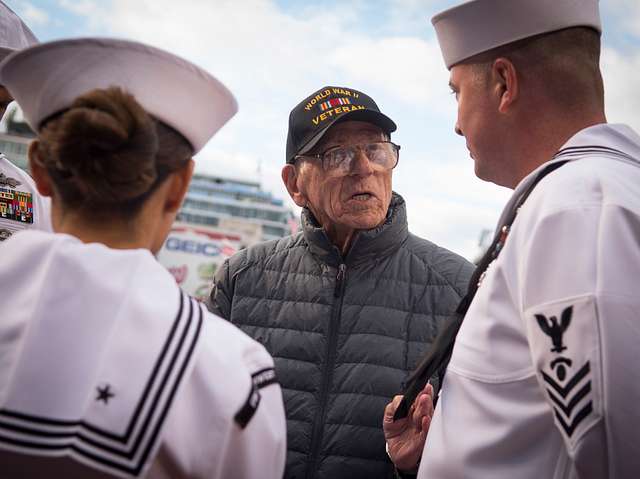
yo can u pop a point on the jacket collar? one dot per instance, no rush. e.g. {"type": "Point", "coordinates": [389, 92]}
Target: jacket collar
{"type": "Point", "coordinates": [367, 245]}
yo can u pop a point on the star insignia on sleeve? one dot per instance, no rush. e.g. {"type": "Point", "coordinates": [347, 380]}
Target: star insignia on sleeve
{"type": "Point", "coordinates": [104, 394]}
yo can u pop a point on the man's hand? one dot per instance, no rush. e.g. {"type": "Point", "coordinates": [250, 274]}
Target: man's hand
{"type": "Point", "coordinates": [406, 437]}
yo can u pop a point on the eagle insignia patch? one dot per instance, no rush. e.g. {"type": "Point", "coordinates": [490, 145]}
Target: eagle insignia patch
{"type": "Point", "coordinates": [565, 342]}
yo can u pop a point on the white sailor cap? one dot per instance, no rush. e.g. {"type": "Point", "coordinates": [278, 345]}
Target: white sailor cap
{"type": "Point", "coordinates": [14, 34]}
{"type": "Point", "coordinates": [478, 26]}
{"type": "Point", "coordinates": [47, 78]}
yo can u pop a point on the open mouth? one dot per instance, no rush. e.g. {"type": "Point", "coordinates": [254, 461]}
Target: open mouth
{"type": "Point", "coordinates": [362, 196]}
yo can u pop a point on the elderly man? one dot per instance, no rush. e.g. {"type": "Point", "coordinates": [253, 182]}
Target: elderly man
{"type": "Point", "coordinates": [349, 304]}
{"type": "Point", "coordinates": [543, 380]}
{"type": "Point", "coordinates": [16, 187]}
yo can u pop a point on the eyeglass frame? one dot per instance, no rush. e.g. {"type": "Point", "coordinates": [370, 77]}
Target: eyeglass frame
{"type": "Point", "coordinates": [320, 156]}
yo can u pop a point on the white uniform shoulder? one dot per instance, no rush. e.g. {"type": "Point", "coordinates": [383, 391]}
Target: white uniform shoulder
{"type": "Point", "coordinates": [603, 170]}
{"type": "Point", "coordinates": [233, 402]}
{"type": "Point", "coordinates": [163, 386]}
{"type": "Point", "coordinates": [590, 180]}
{"type": "Point", "coordinates": [228, 353]}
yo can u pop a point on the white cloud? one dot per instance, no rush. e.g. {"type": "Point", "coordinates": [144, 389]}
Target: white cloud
{"type": "Point", "coordinates": [32, 15]}
{"type": "Point", "coordinates": [407, 68]}
{"type": "Point", "coordinates": [410, 15]}
{"type": "Point", "coordinates": [87, 8]}
{"type": "Point", "coordinates": [446, 203]}
{"type": "Point", "coordinates": [232, 165]}
{"type": "Point", "coordinates": [626, 13]}
{"type": "Point", "coordinates": [621, 73]}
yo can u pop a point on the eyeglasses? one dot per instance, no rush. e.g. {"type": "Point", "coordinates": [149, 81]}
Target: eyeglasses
{"type": "Point", "coordinates": [339, 159]}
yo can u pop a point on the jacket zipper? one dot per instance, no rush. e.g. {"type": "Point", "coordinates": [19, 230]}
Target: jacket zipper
{"type": "Point", "coordinates": [342, 269]}
{"type": "Point", "coordinates": [332, 343]}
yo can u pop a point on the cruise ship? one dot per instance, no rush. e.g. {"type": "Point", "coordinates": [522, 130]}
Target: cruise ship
{"type": "Point", "coordinates": [214, 200]}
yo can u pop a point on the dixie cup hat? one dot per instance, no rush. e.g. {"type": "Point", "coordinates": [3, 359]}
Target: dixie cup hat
{"type": "Point", "coordinates": [313, 116]}
{"type": "Point", "coordinates": [478, 26]}
{"type": "Point", "coordinates": [46, 79]}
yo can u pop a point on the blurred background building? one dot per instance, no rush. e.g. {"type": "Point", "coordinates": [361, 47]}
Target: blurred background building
{"type": "Point", "coordinates": [220, 216]}
{"type": "Point", "coordinates": [227, 203]}
{"type": "Point", "coordinates": [15, 136]}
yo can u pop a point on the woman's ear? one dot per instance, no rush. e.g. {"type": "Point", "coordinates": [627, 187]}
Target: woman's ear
{"type": "Point", "coordinates": [291, 180]}
{"type": "Point", "coordinates": [38, 171]}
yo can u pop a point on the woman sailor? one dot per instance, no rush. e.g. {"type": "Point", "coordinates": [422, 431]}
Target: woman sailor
{"type": "Point", "coordinates": [106, 367]}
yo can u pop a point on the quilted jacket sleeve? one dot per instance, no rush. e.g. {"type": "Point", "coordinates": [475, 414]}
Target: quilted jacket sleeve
{"type": "Point", "coordinates": [219, 301]}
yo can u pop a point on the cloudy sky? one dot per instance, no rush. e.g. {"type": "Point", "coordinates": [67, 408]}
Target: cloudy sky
{"type": "Point", "coordinates": [273, 53]}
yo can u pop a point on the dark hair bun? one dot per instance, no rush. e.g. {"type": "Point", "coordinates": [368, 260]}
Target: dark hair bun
{"type": "Point", "coordinates": [104, 146]}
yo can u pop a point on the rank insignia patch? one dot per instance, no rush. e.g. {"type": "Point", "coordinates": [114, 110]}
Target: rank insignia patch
{"type": "Point", "coordinates": [566, 395]}
{"type": "Point", "coordinates": [565, 343]}
{"type": "Point", "coordinates": [551, 328]}
{"type": "Point", "coordinates": [16, 205]}
{"type": "Point", "coordinates": [259, 379]}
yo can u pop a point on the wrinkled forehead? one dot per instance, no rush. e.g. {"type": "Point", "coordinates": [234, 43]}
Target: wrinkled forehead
{"type": "Point", "coordinates": [347, 132]}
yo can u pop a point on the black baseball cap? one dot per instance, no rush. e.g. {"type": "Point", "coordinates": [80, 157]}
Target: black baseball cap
{"type": "Point", "coordinates": [313, 116]}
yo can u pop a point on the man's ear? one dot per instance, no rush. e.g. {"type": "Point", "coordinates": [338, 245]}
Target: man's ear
{"type": "Point", "coordinates": [291, 180]}
{"type": "Point", "coordinates": [506, 84]}
{"type": "Point", "coordinates": [38, 172]}
{"type": "Point", "coordinates": [178, 187]}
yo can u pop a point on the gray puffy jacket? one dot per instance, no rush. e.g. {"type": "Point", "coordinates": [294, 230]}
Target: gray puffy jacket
{"type": "Point", "coordinates": [344, 332]}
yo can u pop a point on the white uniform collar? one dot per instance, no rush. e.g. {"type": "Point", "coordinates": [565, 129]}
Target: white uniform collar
{"type": "Point", "coordinates": [108, 334]}
{"type": "Point", "coordinates": [617, 136]}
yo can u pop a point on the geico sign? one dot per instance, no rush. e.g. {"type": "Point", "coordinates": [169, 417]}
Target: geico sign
{"type": "Point", "coordinates": [193, 247]}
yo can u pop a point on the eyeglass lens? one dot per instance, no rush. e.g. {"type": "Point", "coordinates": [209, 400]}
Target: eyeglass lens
{"type": "Point", "coordinates": [384, 154]}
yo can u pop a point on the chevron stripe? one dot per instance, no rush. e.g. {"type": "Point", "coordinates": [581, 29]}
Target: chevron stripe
{"type": "Point", "coordinates": [567, 409]}
{"type": "Point", "coordinates": [571, 427]}
{"type": "Point", "coordinates": [564, 391]}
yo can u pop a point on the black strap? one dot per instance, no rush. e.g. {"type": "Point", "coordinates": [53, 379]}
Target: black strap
{"type": "Point", "coordinates": [437, 359]}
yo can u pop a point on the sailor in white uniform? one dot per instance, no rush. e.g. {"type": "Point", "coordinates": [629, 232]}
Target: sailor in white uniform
{"type": "Point", "coordinates": [543, 380]}
{"type": "Point", "coordinates": [107, 369]}
{"type": "Point", "coordinates": [21, 206]}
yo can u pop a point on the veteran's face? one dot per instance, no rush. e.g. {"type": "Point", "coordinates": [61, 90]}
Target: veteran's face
{"type": "Point", "coordinates": [357, 199]}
